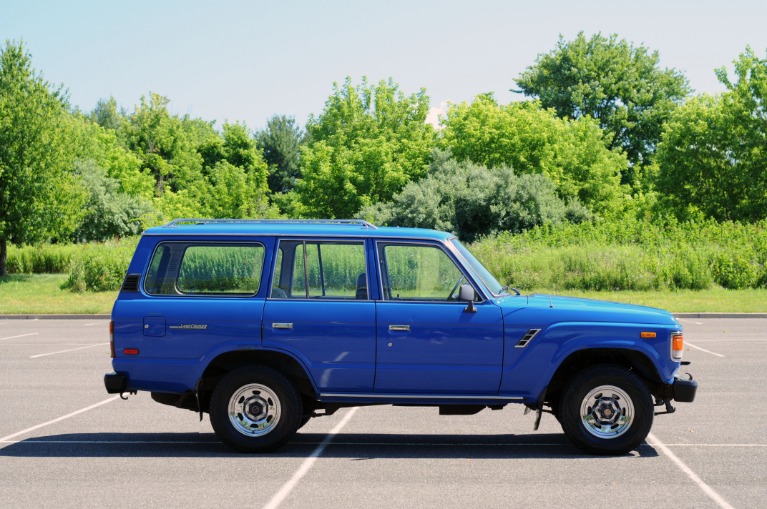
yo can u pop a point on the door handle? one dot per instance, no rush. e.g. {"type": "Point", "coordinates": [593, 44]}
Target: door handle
{"type": "Point", "coordinates": [282, 325]}
{"type": "Point", "coordinates": [399, 327]}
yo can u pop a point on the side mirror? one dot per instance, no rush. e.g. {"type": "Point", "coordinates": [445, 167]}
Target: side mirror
{"type": "Point", "coordinates": [467, 293]}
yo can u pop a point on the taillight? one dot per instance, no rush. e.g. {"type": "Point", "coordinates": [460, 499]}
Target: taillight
{"type": "Point", "coordinates": [677, 346]}
{"type": "Point", "coordinates": [112, 339]}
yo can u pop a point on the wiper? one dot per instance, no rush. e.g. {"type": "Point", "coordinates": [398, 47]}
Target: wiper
{"type": "Point", "coordinates": [506, 289]}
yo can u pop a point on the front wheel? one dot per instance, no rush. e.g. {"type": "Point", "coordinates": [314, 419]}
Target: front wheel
{"type": "Point", "coordinates": [255, 409]}
{"type": "Point", "coordinates": [606, 410]}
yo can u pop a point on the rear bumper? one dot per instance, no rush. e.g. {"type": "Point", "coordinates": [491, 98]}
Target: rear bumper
{"type": "Point", "coordinates": [684, 390]}
{"type": "Point", "coordinates": [115, 383]}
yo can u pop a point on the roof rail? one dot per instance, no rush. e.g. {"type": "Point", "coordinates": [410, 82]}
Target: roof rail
{"type": "Point", "coordinates": [347, 222]}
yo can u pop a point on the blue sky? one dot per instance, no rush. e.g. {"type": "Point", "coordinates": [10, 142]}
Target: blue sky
{"type": "Point", "coordinates": [247, 60]}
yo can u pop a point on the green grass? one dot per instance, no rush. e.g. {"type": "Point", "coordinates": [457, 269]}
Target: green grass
{"type": "Point", "coordinates": [713, 300]}
{"type": "Point", "coordinates": [41, 294]}
{"type": "Point", "coordinates": [22, 294]}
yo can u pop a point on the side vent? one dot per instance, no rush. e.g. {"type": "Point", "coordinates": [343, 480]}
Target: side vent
{"type": "Point", "coordinates": [130, 283]}
{"type": "Point", "coordinates": [527, 338]}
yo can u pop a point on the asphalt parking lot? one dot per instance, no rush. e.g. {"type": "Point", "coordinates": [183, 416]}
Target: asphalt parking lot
{"type": "Point", "coordinates": [64, 442]}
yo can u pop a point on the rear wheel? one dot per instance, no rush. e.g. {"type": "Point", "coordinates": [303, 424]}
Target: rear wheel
{"type": "Point", "coordinates": [255, 409]}
{"type": "Point", "coordinates": [606, 410]}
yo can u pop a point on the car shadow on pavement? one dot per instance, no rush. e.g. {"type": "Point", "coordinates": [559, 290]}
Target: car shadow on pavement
{"type": "Point", "coordinates": [355, 446]}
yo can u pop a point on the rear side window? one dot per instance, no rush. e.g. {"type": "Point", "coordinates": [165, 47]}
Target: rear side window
{"type": "Point", "coordinates": [317, 269]}
{"type": "Point", "coordinates": [188, 269]}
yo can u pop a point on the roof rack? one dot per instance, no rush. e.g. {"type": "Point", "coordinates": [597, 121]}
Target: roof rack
{"type": "Point", "coordinates": [346, 222]}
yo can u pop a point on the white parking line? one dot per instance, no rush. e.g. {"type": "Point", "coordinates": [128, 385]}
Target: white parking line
{"type": "Point", "coordinates": [20, 336]}
{"type": "Point", "coordinates": [687, 343]}
{"type": "Point", "coordinates": [66, 351]}
{"type": "Point", "coordinates": [281, 495]}
{"type": "Point", "coordinates": [708, 490]}
{"type": "Point", "coordinates": [58, 419]}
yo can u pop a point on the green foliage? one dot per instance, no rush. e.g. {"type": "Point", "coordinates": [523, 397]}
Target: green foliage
{"type": "Point", "coordinates": [100, 267]}
{"type": "Point", "coordinates": [106, 115]}
{"type": "Point", "coordinates": [630, 255]}
{"type": "Point", "coordinates": [611, 80]}
{"type": "Point", "coordinates": [165, 144]}
{"type": "Point", "coordinates": [369, 141]}
{"type": "Point", "coordinates": [41, 258]}
{"type": "Point", "coordinates": [110, 212]}
{"type": "Point", "coordinates": [531, 140]}
{"type": "Point", "coordinates": [713, 155]}
{"type": "Point", "coordinates": [472, 201]}
{"type": "Point", "coordinates": [281, 142]}
{"type": "Point", "coordinates": [39, 196]}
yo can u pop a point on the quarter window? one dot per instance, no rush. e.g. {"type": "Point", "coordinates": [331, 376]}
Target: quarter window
{"type": "Point", "coordinates": [209, 269]}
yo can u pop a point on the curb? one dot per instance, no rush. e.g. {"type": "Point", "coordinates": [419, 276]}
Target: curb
{"type": "Point", "coordinates": [720, 315]}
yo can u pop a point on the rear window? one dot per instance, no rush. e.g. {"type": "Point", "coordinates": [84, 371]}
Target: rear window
{"type": "Point", "coordinates": [189, 269]}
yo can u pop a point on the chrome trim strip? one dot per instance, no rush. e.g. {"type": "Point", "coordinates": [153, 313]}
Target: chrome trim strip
{"type": "Point", "coordinates": [420, 396]}
{"type": "Point", "coordinates": [399, 327]}
{"type": "Point", "coordinates": [282, 325]}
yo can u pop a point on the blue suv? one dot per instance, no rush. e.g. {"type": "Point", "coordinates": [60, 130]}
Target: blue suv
{"type": "Point", "coordinates": [266, 324]}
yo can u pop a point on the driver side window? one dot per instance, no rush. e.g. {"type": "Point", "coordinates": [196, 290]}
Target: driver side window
{"type": "Point", "coordinates": [418, 272]}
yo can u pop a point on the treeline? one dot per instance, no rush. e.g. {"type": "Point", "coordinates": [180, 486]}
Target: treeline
{"type": "Point", "coordinates": [605, 136]}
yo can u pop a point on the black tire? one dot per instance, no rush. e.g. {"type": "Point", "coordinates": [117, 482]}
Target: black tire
{"type": "Point", "coordinates": [606, 410]}
{"type": "Point", "coordinates": [255, 409]}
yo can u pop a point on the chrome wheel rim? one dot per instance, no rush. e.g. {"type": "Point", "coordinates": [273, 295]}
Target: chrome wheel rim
{"type": "Point", "coordinates": [254, 410]}
{"type": "Point", "coordinates": [607, 412]}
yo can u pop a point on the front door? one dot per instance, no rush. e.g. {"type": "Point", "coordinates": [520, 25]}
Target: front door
{"type": "Point", "coordinates": [428, 341]}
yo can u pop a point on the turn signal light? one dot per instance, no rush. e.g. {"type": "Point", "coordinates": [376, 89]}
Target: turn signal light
{"type": "Point", "coordinates": [648, 335]}
{"type": "Point", "coordinates": [677, 346]}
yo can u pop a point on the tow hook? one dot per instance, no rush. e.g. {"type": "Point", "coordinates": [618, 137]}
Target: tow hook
{"type": "Point", "coordinates": [669, 407]}
{"type": "Point", "coordinates": [124, 397]}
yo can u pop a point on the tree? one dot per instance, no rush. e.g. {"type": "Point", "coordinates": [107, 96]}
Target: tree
{"type": "Point", "coordinates": [529, 139]}
{"type": "Point", "coordinates": [471, 200]}
{"type": "Point", "coordinates": [39, 196]}
{"type": "Point", "coordinates": [281, 142]}
{"type": "Point", "coordinates": [369, 141]}
{"type": "Point", "coordinates": [165, 144]}
{"type": "Point", "coordinates": [622, 86]}
{"type": "Point", "coordinates": [713, 156]}
{"type": "Point", "coordinates": [106, 114]}
{"type": "Point", "coordinates": [110, 212]}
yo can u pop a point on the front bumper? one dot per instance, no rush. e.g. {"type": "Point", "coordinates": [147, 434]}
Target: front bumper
{"type": "Point", "coordinates": [684, 390]}
{"type": "Point", "coordinates": [115, 383]}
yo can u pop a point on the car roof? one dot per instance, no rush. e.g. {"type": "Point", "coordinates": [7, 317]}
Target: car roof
{"type": "Point", "coordinates": [292, 227]}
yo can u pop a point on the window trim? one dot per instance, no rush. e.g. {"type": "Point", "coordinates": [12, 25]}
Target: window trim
{"type": "Point", "coordinates": [426, 243]}
{"type": "Point", "coordinates": [303, 240]}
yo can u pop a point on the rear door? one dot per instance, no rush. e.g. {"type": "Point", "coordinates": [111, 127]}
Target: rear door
{"type": "Point", "coordinates": [319, 311]}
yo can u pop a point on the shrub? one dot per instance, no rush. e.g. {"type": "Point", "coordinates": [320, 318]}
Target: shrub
{"type": "Point", "coordinates": [100, 267]}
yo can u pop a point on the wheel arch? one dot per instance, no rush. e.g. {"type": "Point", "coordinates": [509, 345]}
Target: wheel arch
{"type": "Point", "coordinates": [582, 359]}
{"type": "Point", "coordinates": [228, 361]}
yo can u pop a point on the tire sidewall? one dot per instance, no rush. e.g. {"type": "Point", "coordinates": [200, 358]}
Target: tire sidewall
{"type": "Point", "coordinates": [289, 400]}
{"type": "Point", "coordinates": [586, 381]}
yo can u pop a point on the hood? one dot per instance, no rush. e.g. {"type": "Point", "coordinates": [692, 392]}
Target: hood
{"type": "Point", "coordinates": [575, 309]}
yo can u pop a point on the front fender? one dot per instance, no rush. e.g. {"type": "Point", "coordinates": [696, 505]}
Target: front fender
{"type": "Point", "coordinates": [528, 370]}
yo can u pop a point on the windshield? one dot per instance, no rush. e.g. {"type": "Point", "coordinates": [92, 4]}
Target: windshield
{"type": "Point", "coordinates": [479, 270]}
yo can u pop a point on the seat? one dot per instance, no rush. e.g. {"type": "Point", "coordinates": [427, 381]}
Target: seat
{"type": "Point", "coordinates": [362, 287]}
